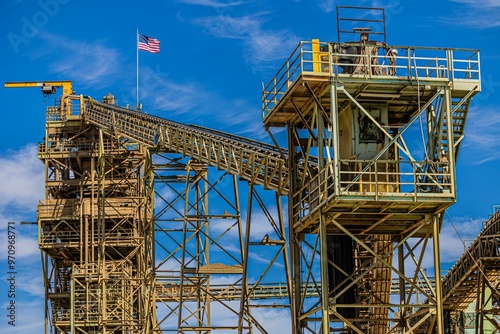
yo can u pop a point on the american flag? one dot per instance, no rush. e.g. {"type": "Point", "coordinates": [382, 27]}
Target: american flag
{"type": "Point", "coordinates": [149, 44]}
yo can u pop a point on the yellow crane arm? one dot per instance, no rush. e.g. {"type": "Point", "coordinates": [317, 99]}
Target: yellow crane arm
{"type": "Point", "coordinates": [48, 87]}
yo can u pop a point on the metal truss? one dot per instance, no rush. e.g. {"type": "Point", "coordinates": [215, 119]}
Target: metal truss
{"type": "Point", "coordinates": [206, 279]}
{"type": "Point", "coordinates": [474, 279]}
{"type": "Point", "coordinates": [149, 248]}
{"type": "Point", "coordinates": [259, 163]}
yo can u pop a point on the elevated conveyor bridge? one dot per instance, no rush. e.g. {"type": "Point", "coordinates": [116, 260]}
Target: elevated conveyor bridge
{"type": "Point", "coordinates": [254, 161]}
{"type": "Point", "coordinates": [475, 279]}
{"type": "Point", "coordinates": [480, 260]}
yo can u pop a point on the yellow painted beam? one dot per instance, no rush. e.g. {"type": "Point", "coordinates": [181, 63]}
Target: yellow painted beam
{"type": "Point", "coordinates": [66, 85]}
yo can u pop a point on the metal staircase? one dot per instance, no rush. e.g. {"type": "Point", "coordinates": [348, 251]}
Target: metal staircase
{"type": "Point", "coordinates": [460, 105]}
{"type": "Point", "coordinates": [460, 110]}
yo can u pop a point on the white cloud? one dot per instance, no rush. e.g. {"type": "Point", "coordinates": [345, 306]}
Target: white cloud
{"type": "Point", "coordinates": [22, 176]}
{"type": "Point", "coordinates": [261, 47]}
{"type": "Point", "coordinates": [22, 180]}
{"type": "Point", "coordinates": [480, 4]}
{"type": "Point", "coordinates": [326, 5]}
{"type": "Point", "coordinates": [163, 96]}
{"type": "Point", "coordinates": [29, 317]}
{"type": "Point", "coordinates": [274, 320]}
{"type": "Point", "coordinates": [260, 225]}
{"type": "Point", "coordinates": [456, 231]}
{"type": "Point", "coordinates": [482, 136]}
{"type": "Point", "coordinates": [26, 247]}
{"type": "Point", "coordinates": [228, 227]}
{"type": "Point", "coordinates": [88, 63]}
{"type": "Point", "coordinates": [474, 14]}
{"type": "Point", "coordinates": [29, 279]}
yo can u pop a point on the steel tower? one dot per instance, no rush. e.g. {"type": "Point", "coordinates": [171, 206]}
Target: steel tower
{"type": "Point", "coordinates": [373, 136]}
{"type": "Point", "coordinates": [95, 227]}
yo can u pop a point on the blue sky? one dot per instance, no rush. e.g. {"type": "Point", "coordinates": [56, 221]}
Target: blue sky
{"type": "Point", "coordinates": [214, 56]}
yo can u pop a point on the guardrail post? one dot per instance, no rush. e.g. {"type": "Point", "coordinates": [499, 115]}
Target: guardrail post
{"type": "Point", "coordinates": [408, 63]}
{"type": "Point", "coordinates": [449, 60]}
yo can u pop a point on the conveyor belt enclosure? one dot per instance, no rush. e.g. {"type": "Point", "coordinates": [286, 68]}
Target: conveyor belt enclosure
{"type": "Point", "coordinates": [253, 161]}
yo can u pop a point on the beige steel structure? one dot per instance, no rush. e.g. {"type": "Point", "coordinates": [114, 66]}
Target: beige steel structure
{"type": "Point", "coordinates": [370, 195]}
{"type": "Point", "coordinates": [95, 227]}
{"type": "Point", "coordinates": [132, 243]}
{"type": "Point", "coordinates": [126, 225]}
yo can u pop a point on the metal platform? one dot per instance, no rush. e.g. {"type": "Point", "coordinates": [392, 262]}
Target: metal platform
{"type": "Point", "coordinates": [404, 77]}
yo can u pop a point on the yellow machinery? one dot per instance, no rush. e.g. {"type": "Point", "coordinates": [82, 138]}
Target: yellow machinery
{"type": "Point", "coordinates": [48, 87]}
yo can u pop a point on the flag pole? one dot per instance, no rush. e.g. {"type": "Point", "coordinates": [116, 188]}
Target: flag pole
{"type": "Point", "coordinates": [137, 72]}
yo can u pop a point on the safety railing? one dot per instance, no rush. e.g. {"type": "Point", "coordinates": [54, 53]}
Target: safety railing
{"type": "Point", "coordinates": [61, 312]}
{"type": "Point", "coordinates": [72, 105]}
{"type": "Point", "coordinates": [378, 60]}
{"type": "Point", "coordinates": [89, 146]}
{"type": "Point", "coordinates": [86, 300]}
{"type": "Point", "coordinates": [389, 176]}
{"type": "Point", "coordinates": [170, 292]}
{"type": "Point", "coordinates": [492, 226]}
{"type": "Point", "coordinates": [50, 236]}
{"type": "Point", "coordinates": [57, 209]}
{"type": "Point", "coordinates": [375, 180]}
{"type": "Point", "coordinates": [66, 146]}
{"type": "Point", "coordinates": [52, 114]}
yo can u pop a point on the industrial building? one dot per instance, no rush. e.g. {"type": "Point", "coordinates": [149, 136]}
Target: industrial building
{"type": "Point", "coordinates": [151, 226]}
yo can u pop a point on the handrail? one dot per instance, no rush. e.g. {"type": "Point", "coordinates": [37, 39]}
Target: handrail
{"type": "Point", "coordinates": [396, 62]}
{"type": "Point", "coordinates": [171, 290]}
{"type": "Point", "coordinates": [384, 178]}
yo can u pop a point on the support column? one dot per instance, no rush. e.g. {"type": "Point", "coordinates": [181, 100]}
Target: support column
{"type": "Point", "coordinates": [244, 309]}
{"type": "Point", "coordinates": [324, 275]}
{"type": "Point", "coordinates": [437, 266]}
{"type": "Point", "coordinates": [72, 301]}
{"type": "Point", "coordinates": [317, 110]}
{"type": "Point", "coordinates": [402, 285]}
{"type": "Point", "coordinates": [447, 105]}
{"type": "Point", "coordinates": [293, 237]}
{"type": "Point", "coordinates": [286, 260]}
{"type": "Point", "coordinates": [334, 117]}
